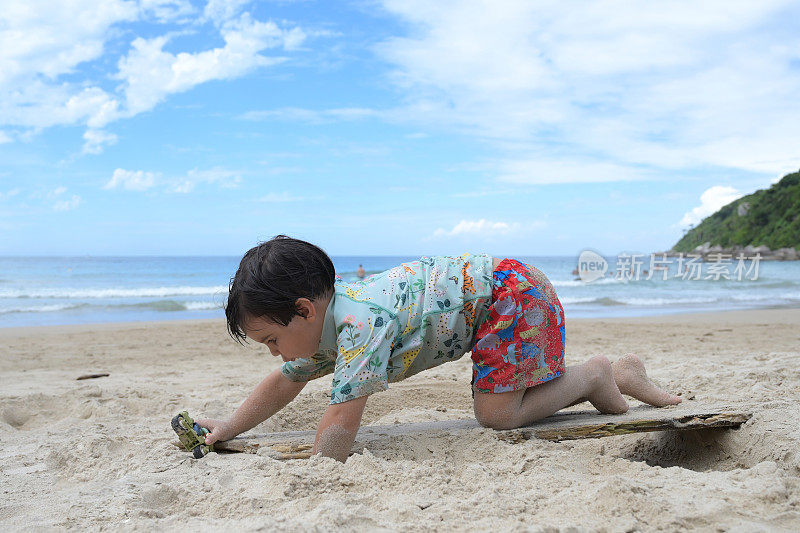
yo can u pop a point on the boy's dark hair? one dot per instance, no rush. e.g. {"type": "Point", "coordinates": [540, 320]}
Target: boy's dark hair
{"type": "Point", "coordinates": [270, 279]}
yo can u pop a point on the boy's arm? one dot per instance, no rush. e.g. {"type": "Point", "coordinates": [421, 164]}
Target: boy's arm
{"type": "Point", "coordinates": [269, 397]}
{"type": "Point", "coordinates": [338, 427]}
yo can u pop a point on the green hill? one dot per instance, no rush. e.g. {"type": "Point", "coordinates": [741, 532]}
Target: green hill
{"type": "Point", "coordinates": [768, 217]}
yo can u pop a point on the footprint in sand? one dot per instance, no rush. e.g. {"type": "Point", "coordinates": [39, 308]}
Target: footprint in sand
{"type": "Point", "coordinates": [15, 417]}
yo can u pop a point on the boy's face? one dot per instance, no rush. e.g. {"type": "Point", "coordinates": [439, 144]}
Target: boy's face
{"type": "Point", "coordinates": [300, 338]}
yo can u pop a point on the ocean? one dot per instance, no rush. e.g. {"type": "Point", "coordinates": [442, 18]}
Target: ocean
{"type": "Point", "coordinates": [44, 291]}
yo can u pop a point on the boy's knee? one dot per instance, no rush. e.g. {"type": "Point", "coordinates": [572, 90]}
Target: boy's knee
{"type": "Point", "coordinates": [495, 422]}
{"type": "Point", "coordinates": [494, 416]}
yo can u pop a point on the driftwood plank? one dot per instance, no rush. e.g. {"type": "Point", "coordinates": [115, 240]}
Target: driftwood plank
{"type": "Point", "coordinates": [276, 450]}
{"type": "Point", "coordinates": [577, 428]}
{"type": "Point", "coordinates": [565, 425]}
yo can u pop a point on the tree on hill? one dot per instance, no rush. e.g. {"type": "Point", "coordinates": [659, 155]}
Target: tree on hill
{"type": "Point", "coordinates": [767, 217]}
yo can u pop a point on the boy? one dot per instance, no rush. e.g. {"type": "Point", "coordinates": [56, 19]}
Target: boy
{"type": "Point", "coordinates": [410, 318]}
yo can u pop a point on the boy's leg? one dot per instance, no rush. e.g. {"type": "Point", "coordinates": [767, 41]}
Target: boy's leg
{"type": "Point", "coordinates": [592, 381]}
{"type": "Point", "coordinates": [596, 381]}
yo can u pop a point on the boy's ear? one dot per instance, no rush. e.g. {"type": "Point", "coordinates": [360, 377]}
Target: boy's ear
{"type": "Point", "coordinates": [305, 307]}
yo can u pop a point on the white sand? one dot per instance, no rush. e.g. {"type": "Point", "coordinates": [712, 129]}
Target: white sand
{"type": "Point", "coordinates": [98, 454]}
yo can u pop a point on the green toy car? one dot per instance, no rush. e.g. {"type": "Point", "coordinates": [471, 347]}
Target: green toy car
{"type": "Point", "coordinates": [191, 435]}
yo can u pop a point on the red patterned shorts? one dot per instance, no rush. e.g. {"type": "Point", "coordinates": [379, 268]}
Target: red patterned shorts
{"type": "Point", "coordinates": [521, 343]}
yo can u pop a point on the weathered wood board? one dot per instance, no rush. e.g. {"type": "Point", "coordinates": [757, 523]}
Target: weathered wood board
{"type": "Point", "coordinates": [565, 425]}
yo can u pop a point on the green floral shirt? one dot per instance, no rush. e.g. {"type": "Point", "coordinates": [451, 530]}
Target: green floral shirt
{"type": "Point", "coordinates": [397, 323]}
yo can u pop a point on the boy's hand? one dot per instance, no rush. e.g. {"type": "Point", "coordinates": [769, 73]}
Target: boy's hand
{"type": "Point", "coordinates": [220, 429]}
{"type": "Point", "coordinates": [338, 427]}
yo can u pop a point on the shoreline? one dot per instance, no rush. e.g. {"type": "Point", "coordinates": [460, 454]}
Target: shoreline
{"type": "Point", "coordinates": [774, 314]}
{"type": "Point", "coordinates": [777, 314]}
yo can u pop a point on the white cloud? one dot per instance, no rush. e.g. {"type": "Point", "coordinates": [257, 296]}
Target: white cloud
{"type": "Point", "coordinates": [546, 170]}
{"type": "Point", "coordinates": [42, 105]}
{"type": "Point", "coordinates": [149, 73]}
{"type": "Point", "coordinates": [50, 38]}
{"type": "Point", "coordinates": [280, 197]}
{"type": "Point", "coordinates": [4, 137]}
{"type": "Point", "coordinates": [710, 202]}
{"type": "Point", "coordinates": [643, 85]}
{"type": "Point", "coordinates": [140, 180]}
{"type": "Point", "coordinates": [96, 140]}
{"type": "Point", "coordinates": [41, 42]}
{"type": "Point", "coordinates": [166, 10]}
{"type": "Point", "coordinates": [67, 205]}
{"type": "Point", "coordinates": [219, 11]}
{"type": "Point", "coordinates": [131, 180]}
{"type": "Point", "coordinates": [314, 116]}
{"type": "Point", "coordinates": [482, 227]}
{"type": "Point", "coordinates": [9, 194]}
{"type": "Point", "coordinates": [227, 179]}
{"type": "Point", "coordinates": [485, 192]}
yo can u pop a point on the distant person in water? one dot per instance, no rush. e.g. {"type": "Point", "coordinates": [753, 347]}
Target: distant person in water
{"type": "Point", "coordinates": [405, 320]}
{"type": "Point", "coordinates": [361, 273]}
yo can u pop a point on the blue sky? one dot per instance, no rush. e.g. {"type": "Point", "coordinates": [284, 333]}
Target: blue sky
{"type": "Point", "coordinates": [177, 127]}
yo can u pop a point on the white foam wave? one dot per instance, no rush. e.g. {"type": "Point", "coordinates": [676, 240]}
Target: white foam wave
{"type": "Point", "coordinates": [199, 306]}
{"type": "Point", "coordinates": [750, 296]}
{"type": "Point", "coordinates": [38, 308]}
{"type": "Point", "coordinates": [611, 301]}
{"type": "Point", "coordinates": [666, 301]}
{"type": "Point", "coordinates": [159, 305]}
{"type": "Point", "coordinates": [144, 292]}
{"type": "Point", "coordinates": [581, 283]}
{"type": "Point", "coordinates": [566, 300]}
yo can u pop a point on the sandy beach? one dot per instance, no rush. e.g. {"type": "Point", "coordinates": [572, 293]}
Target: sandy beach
{"type": "Point", "coordinates": [98, 453]}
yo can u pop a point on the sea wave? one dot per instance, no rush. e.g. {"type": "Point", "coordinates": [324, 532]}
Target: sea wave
{"type": "Point", "coordinates": [172, 305]}
{"type": "Point", "coordinates": [768, 284]}
{"type": "Point", "coordinates": [568, 300]}
{"type": "Point", "coordinates": [201, 306]}
{"type": "Point", "coordinates": [639, 302]}
{"type": "Point", "coordinates": [156, 305]}
{"type": "Point", "coordinates": [751, 296]}
{"type": "Point", "coordinates": [143, 292]}
{"type": "Point", "coordinates": [581, 283]}
{"type": "Point", "coordinates": [605, 301]}
{"type": "Point", "coordinates": [667, 301]}
{"type": "Point", "coordinates": [761, 283]}
{"type": "Point", "coordinates": [41, 308]}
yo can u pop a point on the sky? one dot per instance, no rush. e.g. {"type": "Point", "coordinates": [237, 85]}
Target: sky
{"type": "Point", "coordinates": [387, 127]}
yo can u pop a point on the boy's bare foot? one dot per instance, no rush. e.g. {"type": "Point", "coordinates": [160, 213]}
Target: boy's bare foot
{"type": "Point", "coordinates": [632, 380]}
{"type": "Point", "coordinates": [605, 395]}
